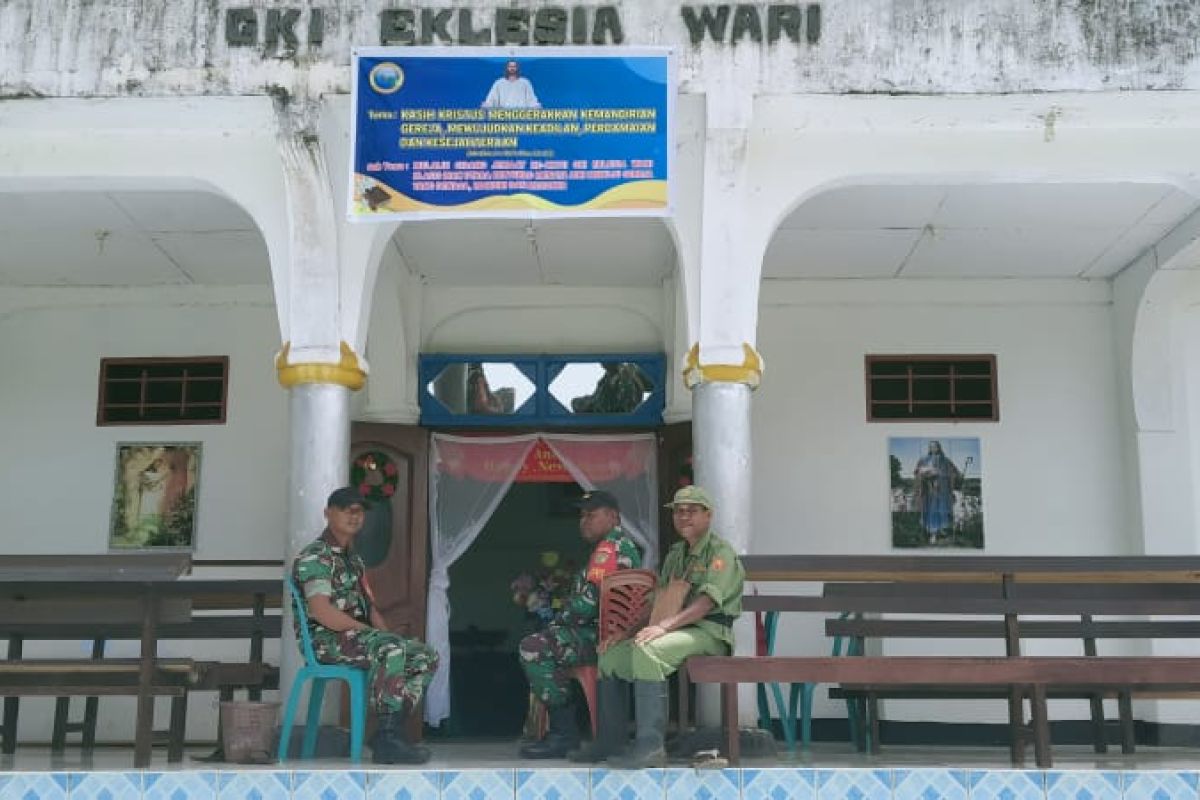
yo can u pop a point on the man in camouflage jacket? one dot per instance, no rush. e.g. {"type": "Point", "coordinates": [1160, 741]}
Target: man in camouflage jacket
{"type": "Point", "coordinates": [570, 639]}
{"type": "Point", "coordinates": [346, 628]}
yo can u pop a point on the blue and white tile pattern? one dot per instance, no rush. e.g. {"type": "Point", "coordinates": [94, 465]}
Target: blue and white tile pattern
{"type": "Point", "coordinates": [603, 784]}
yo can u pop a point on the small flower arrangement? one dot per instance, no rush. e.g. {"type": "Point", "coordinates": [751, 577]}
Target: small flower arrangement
{"type": "Point", "coordinates": [542, 592]}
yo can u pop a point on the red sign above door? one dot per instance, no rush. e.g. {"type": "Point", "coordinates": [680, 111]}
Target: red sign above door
{"type": "Point", "coordinates": [599, 461]}
{"type": "Point", "coordinates": [543, 466]}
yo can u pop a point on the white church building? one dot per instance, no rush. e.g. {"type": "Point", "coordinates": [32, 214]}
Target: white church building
{"type": "Point", "coordinates": [994, 203]}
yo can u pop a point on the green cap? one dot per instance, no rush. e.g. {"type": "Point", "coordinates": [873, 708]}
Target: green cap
{"type": "Point", "coordinates": [693, 495]}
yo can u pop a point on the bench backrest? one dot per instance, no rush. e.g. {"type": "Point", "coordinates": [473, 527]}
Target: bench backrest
{"type": "Point", "coordinates": [1017, 598]}
{"type": "Point", "coordinates": [106, 567]}
{"type": "Point", "coordinates": [86, 611]}
{"type": "Point", "coordinates": [974, 568]}
{"type": "Point", "coordinates": [301, 610]}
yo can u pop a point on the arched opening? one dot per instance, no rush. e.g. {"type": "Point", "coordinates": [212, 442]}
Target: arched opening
{"type": "Point", "coordinates": [513, 288]}
{"type": "Point", "coordinates": [92, 274]}
{"type": "Point", "coordinates": [133, 271]}
{"type": "Point", "coordinates": [1021, 272]}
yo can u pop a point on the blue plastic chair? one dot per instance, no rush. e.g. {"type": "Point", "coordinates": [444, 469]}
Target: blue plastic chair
{"type": "Point", "coordinates": [319, 674]}
{"type": "Point", "coordinates": [801, 693]}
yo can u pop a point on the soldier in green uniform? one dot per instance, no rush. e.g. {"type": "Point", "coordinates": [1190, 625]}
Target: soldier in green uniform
{"type": "Point", "coordinates": [570, 639]}
{"type": "Point", "coordinates": [346, 628]}
{"type": "Point", "coordinates": [702, 627]}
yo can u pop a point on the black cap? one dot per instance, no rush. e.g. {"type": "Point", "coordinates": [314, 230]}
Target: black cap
{"type": "Point", "coordinates": [345, 497]}
{"type": "Point", "coordinates": [598, 498]}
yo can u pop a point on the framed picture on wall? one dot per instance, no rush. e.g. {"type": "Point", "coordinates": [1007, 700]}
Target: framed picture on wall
{"type": "Point", "coordinates": [154, 496]}
{"type": "Point", "coordinates": [936, 492]}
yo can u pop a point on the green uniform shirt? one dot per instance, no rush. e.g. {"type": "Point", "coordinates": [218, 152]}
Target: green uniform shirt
{"type": "Point", "coordinates": [713, 568]}
{"type": "Point", "coordinates": [326, 568]}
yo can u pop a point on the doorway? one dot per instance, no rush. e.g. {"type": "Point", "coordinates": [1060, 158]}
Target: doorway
{"type": "Point", "coordinates": [498, 506]}
{"type": "Point", "coordinates": [532, 536]}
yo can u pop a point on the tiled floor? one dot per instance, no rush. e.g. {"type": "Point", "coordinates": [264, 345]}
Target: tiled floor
{"type": "Point", "coordinates": [492, 772]}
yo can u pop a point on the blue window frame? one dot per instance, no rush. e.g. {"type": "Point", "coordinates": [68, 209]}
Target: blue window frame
{"type": "Point", "coordinates": [549, 391]}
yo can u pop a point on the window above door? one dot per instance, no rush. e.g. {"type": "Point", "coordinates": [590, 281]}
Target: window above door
{"type": "Point", "coordinates": [494, 391]}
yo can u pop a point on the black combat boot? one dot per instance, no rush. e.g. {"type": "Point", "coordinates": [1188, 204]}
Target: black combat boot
{"type": "Point", "coordinates": [391, 745]}
{"type": "Point", "coordinates": [650, 707]}
{"type": "Point", "coordinates": [612, 723]}
{"type": "Point", "coordinates": [562, 738]}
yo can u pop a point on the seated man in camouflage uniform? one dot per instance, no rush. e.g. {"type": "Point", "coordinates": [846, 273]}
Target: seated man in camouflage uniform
{"type": "Point", "coordinates": [346, 628]}
{"type": "Point", "coordinates": [702, 627]}
{"type": "Point", "coordinates": [570, 638]}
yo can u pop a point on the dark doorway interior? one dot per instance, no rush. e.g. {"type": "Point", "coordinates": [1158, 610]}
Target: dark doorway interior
{"type": "Point", "coordinates": [489, 694]}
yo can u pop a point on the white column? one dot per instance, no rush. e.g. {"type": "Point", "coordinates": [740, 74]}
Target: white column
{"type": "Point", "coordinates": [721, 455]}
{"type": "Point", "coordinates": [723, 367]}
{"type": "Point", "coordinates": [316, 365]}
{"type": "Point", "coordinates": [319, 459]}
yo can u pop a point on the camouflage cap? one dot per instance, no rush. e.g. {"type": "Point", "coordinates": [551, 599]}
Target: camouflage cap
{"type": "Point", "coordinates": [691, 495]}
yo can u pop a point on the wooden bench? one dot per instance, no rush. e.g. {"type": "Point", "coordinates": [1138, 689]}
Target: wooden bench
{"type": "Point", "coordinates": [62, 597]}
{"type": "Point", "coordinates": [1029, 675]}
{"type": "Point", "coordinates": [1009, 586]}
{"type": "Point", "coordinates": [45, 604]}
{"type": "Point", "coordinates": [62, 678]}
{"type": "Point", "coordinates": [1012, 627]}
{"type": "Point", "coordinates": [251, 598]}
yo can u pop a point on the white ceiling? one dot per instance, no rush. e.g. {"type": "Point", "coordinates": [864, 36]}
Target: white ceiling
{"type": "Point", "coordinates": [138, 238]}
{"type": "Point", "coordinates": [1036, 230]}
{"type": "Point", "coordinates": [628, 251]}
{"type": "Point", "coordinates": [128, 238]}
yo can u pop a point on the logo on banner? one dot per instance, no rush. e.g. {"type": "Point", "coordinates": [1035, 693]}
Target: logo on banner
{"type": "Point", "coordinates": [386, 77]}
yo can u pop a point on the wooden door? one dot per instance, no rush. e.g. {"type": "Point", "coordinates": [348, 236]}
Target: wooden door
{"type": "Point", "coordinates": [674, 470]}
{"type": "Point", "coordinates": [394, 542]}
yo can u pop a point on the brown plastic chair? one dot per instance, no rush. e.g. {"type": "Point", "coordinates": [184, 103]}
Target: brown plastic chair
{"type": "Point", "coordinates": [624, 595]}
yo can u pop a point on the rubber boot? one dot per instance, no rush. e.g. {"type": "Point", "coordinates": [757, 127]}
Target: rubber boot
{"type": "Point", "coordinates": [612, 722]}
{"type": "Point", "coordinates": [650, 707]}
{"type": "Point", "coordinates": [562, 738]}
{"type": "Point", "coordinates": [391, 745]}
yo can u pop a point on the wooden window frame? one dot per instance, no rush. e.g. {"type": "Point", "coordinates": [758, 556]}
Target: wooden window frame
{"type": "Point", "coordinates": [981, 358]}
{"type": "Point", "coordinates": [104, 381]}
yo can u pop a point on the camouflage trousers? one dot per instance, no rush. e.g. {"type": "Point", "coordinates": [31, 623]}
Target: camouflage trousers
{"type": "Point", "coordinates": [548, 657]}
{"type": "Point", "coordinates": [398, 669]}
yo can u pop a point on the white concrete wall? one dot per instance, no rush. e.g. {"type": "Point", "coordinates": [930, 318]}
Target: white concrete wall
{"type": "Point", "coordinates": [408, 318]}
{"type": "Point", "coordinates": [923, 46]}
{"type": "Point", "coordinates": [395, 307]}
{"type": "Point", "coordinates": [1053, 473]}
{"type": "Point", "coordinates": [57, 465]}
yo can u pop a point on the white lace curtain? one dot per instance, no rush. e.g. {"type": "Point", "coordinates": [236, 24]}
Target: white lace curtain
{"type": "Point", "coordinates": [469, 476]}
{"type": "Point", "coordinates": [627, 470]}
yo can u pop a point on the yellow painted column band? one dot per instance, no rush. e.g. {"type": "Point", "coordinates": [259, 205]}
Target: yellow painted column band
{"type": "Point", "coordinates": [346, 372]}
{"type": "Point", "coordinates": [748, 372]}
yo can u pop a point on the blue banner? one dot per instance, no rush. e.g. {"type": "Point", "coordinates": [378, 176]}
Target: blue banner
{"type": "Point", "coordinates": [452, 133]}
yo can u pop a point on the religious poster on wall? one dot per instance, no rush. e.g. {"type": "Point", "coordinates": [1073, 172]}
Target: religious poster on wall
{"type": "Point", "coordinates": [936, 492]}
{"type": "Point", "coordinates": [154, 496]}
{"type": "Point", "coordinates": [448, 133]}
